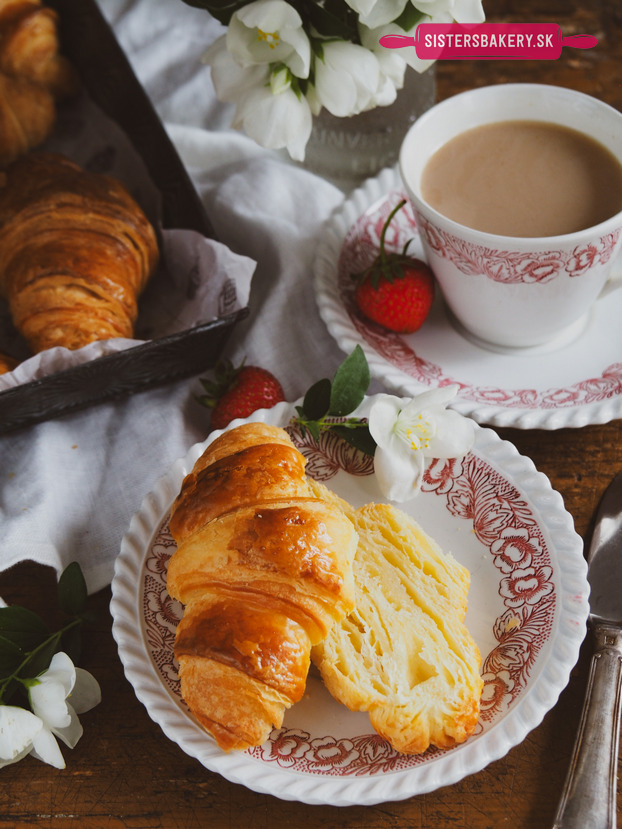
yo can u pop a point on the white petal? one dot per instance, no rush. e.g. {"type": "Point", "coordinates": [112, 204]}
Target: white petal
{"type": "Point", "coordinates": [45, 748]}
{"type": "Point", "coordinates": [454, 437]}
{"type": "Point", "coordinates": [18, 728]}
{"type": "Point", "coordinates": [436, 398]}
{"type": "Point", "coordinates": [72, 732]}
{"type": "Point", "coordinates": [86, 692]}
{"type": "Point", "coordinates": [47, 700]}
{"type": "Point", "coordinates": [276, 121]}
{"type": "Point", "coordinates": [346, 78]}
{"type": "Point", "coordinates": [382, 417]}
{"type": "Point", "coordinates": [379, 13]}
{"type": "Point", "coordinates": [61, 670]}
{"type": "Point", "coordinates": [398, 475]}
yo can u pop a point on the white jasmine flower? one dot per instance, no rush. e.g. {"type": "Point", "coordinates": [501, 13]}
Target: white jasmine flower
{"type": "Point", "coordinates": [269, 31]}
{"type": "Point", "coordinates": [407, 434]}
{"type": "Point", "coordinates": [49, 694]}
{"type": "Point", "coordinates": [18, 728]}
{"type": "Point", "coordinates": [347, 78]}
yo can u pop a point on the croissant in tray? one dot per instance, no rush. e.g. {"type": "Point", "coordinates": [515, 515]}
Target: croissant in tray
{"type": "Point", "coordinates": [33, 76]}
{"type": "Point", "coordinates": [75, 253]}
{"type": "Point", "coordinates": [264, 570]}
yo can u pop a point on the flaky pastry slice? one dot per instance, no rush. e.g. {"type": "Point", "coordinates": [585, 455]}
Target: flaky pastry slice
{"type": "Point", "coordinates": [404, 653]}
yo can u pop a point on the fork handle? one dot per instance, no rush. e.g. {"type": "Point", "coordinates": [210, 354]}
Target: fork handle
{"type": "Point", "coordinates": [589, 795]}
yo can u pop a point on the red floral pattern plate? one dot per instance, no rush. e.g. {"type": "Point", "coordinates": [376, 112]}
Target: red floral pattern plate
{"type": "Point", "coordinates": [573, 382]}
{"type": "Point", "coordinates": [527, 612]}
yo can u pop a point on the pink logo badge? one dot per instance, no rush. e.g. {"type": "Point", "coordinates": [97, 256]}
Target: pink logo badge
{"type": "Point", "coordinates": [491, 41]}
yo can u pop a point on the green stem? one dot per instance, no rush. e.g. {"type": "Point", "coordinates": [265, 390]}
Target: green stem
{"type": "Point", "coordinates": [15, 675]}
{"type": "Point", "coordinates": [386, 227]}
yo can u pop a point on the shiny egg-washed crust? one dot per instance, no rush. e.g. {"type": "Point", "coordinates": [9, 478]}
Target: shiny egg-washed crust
{"type": "Point", "coordinates": [404, 654]}
{"type": "Point", "coordinates": [33, 76]}
{"type": "Point", "coordinates": [76, 251]}
{"type": "Point", "coordinates": [264, 570]}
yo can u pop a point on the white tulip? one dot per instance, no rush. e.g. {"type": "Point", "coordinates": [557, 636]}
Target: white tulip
{"type": "Point", "coordinates": [408, 433]}
{"type": "Point", "coordinates": [269, 31]}
{"type": "Point", "coordinates": [48, 695]}
{"type": "Point", "coordinates": [347, 78]}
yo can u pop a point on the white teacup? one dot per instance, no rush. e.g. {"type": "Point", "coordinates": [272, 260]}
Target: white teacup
{"type": "Point", "coordinates": [509, 292]}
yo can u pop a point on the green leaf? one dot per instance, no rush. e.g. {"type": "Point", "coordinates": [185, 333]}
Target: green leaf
{"type": "Point", "coordinates": [359, 438]}
{"type": "Point", "coordinates": [72, 591]}
{"type": "Point", "coordinates": [71, 643]}
{"type": "Point", "coordinates": [317, 400]}
{"type": "Point", "coordinates": [11, 655]}
{"type": "Point", "coordinates": [350, 383]}
{"type": "Point", "coordinates": [331, 19]}
{"type": "Point", "coordinates": [22, 627]}
{"type": "Point", "coordinates": [409, 18]}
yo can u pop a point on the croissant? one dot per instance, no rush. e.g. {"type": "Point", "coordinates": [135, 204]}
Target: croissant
{"type": "Point", "coordinates": [33, 76]}
{"type": "Point", "coordinates": [404, 654]}
{"type": "Point", "coordinates": [264, 570]}
{"type": "Point", "coordinates": [27, 114]}
{"type": "Point", "coordinates": [29, 46]}
{"type": "Point", "coordinates": [75, 253]}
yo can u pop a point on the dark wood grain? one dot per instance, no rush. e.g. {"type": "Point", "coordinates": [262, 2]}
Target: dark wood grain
{"type": "Point", "coordinates": [126, 773]}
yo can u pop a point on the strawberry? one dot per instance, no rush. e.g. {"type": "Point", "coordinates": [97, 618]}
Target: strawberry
{"type": "Point", "coordinates": [238, 392]}
{"type": "Point", "coordinates": [396, 290]}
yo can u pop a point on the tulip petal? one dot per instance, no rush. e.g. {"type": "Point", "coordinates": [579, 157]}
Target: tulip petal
{"type": "Point", "coordinates": [18, 728]}
{"type": "Point", "coordinates": [45, 748]}
{"type": "Point", "coordinates": [71, 733]}
{"type": "Point", "coordinates": [86, 692]}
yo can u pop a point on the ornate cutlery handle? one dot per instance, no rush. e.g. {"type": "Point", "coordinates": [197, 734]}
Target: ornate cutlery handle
{"type": "Point", "coordinates": [589, 796]}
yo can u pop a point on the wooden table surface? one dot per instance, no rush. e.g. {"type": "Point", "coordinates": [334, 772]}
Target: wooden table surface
{"type": "Point", "coordinates": [126, 773]}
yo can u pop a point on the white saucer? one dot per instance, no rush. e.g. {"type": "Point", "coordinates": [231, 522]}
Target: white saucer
{"type": "Point", "coordinates": [574, 381]}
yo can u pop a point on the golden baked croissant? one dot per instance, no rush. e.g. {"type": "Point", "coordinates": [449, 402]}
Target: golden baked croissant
{"type": "Point", "coordinates": [75, 253]}
{"type": "Point", "coordinates": [29, 46]}
{"type": "Point", "coordinates": [264, 570]}
{"type": "Point", "coordinates": [27, 115]}
{"type": "Point", "coordinates": [404, 654]}
{"type": "Point", "coordinates": [33, 75]}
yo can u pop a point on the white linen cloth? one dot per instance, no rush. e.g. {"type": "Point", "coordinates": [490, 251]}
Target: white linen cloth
{"type": "Point", "coordinates": [68, 487]}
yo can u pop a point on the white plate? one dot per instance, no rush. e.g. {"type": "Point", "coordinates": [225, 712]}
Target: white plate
{"type": "Point", "coordinates": [527, 612]}
{"type": "Point", "coordinates": [568, 384]}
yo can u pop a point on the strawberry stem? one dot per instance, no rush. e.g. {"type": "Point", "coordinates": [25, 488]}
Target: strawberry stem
{"type": "Point", "coordinates": [385, 227]}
